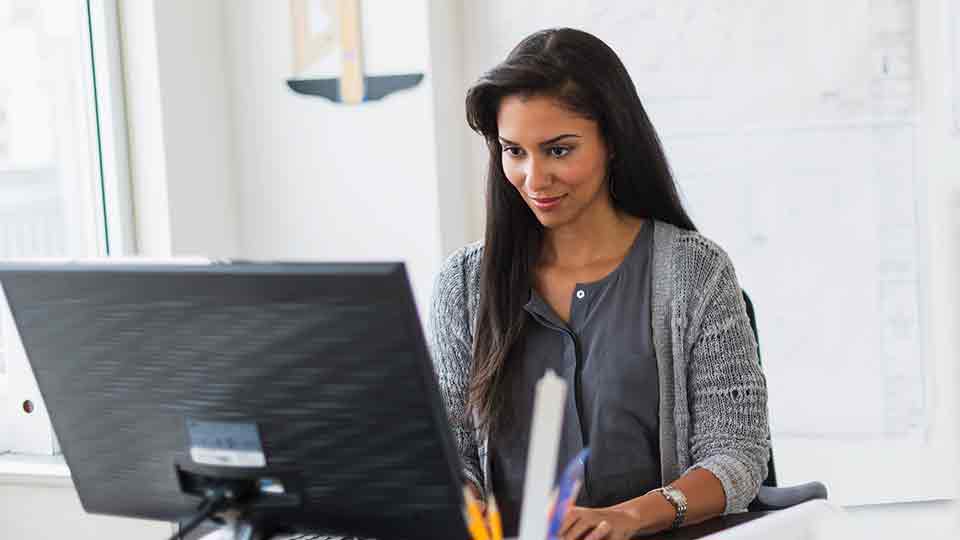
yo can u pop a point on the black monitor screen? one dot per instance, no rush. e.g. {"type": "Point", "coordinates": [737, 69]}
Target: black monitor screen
{"type": "Point", "coordinates": [311, 379]}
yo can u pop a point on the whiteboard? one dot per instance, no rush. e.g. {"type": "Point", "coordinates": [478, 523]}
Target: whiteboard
{"type": "Point", "coordinates": [791, 129]}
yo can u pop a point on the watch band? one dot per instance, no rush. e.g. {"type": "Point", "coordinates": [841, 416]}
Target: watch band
{"type": "Point", "coordinates": [679, 501]}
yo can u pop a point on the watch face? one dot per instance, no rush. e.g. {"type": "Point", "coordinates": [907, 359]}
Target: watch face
{"type": "Point", "coordinates": [679, 502]}
{"type": "Point", "coordinates": [678, 497]}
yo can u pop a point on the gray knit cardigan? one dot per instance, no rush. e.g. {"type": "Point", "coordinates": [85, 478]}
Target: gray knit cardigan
{"type": "Point", "coordinates": [713, 397]}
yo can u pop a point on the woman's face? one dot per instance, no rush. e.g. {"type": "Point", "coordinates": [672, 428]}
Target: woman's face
{"type": "Point", "coordinates": [556, 159]}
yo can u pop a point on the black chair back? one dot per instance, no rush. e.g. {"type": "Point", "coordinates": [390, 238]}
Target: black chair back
{"type": "Point", "coordinates": [771, 479]}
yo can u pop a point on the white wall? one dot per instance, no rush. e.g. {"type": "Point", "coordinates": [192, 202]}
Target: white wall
{"type": "Point", "coordinates": [178, 107]}
{"type": "Point", "coordinates": [938, 163]}
{"type": "Point", "coordinates": [460, 216]}
{"type": "Point", "coordinates": [319, 180]}
{"type": "Point", "coordinates": [145, 127]}
{"type": "Point", "coordinates": [227, 161]}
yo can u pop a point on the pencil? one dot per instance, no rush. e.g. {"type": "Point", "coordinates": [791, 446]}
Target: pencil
{"type": "Point", "coordinates": [475, 522]}
{"type": "Point", "coordinates": [493, 515]}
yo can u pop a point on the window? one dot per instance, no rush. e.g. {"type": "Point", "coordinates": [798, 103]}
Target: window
{"type": "Point", "coordinates": [64, 190]}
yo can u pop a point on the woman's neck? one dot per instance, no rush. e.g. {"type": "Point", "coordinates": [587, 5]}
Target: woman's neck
{"type": "Point", "coordinates": [595, 237]}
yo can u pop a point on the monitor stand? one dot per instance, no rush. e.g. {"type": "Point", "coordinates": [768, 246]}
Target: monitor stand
{"type": "Point", "coordinates": [233, 502]}
{"type": "Point", "coordinates": [235, 527]}
{"type": "Point", "coordinates": [241, 529]}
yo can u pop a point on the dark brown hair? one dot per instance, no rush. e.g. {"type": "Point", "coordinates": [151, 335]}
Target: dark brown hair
{"type": "Point", "coordinates": [586, 76]}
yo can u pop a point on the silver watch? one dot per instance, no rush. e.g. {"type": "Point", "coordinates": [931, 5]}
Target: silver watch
{"type": "Point", "coordinates": [679, 501]}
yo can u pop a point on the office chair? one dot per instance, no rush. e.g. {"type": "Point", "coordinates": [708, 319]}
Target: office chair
{"type": "Point", "coordinates": [770, 496]}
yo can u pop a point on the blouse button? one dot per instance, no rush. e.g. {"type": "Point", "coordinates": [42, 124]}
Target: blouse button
{"type": "Point", "coordinates": [581, 294]}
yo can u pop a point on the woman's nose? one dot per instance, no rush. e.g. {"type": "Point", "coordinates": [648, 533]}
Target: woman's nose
{"type": "Point", "coordinates": [538, 178]}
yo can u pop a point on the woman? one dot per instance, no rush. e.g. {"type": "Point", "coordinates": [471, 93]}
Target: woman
{"type": "Point", "coordinates": [591, 267]}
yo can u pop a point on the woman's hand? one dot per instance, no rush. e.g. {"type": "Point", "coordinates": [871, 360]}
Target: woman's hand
{"type": "Point", "coordinates": [599, 524]}
{"type": "Point", "coordinates": [475, 491]}
{"type": "Point", "coordinates": [644, 515]}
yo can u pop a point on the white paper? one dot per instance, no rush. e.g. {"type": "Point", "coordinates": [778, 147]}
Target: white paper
{"type": "Point", "coordinates": [812, 520]}
{"type": "Point", "coordinates": [542, 456]}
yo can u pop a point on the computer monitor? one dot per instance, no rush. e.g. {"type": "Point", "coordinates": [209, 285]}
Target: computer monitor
{"type": "Point", "coordinates": [300, 395]}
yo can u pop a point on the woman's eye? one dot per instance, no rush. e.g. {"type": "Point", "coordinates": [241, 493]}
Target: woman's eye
{"type": "Point", "coordinates": [513, 151]}
{"type": "Point", "coordinates": [559, 151]}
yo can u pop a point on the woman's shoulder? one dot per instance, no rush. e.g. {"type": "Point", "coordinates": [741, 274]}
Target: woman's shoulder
{"type": "Point", "coordinates": [463, 264]}
{"type": "Point", "coordinates": [693, 258]}
{"type": "Point", "coordinates": [457, 284]}
{"type": "Point", "coordinates": [690, 243]}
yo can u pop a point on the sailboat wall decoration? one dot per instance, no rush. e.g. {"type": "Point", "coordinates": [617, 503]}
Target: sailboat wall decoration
{"type": "Point", "coordinates": [328, 54]}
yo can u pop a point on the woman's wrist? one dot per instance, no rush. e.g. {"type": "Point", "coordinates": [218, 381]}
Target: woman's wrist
{"type": "Point", "coordinates": [651, 512]}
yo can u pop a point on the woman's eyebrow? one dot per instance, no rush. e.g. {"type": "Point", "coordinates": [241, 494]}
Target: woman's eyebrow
{"type": "Point", "coordinates": [546, 142]}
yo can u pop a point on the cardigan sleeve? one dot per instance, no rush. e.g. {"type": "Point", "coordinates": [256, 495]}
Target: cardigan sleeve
{"type": "Point", "coordinates": [451, 346]}
{"type": "Point", "coordinates": [727, 392]}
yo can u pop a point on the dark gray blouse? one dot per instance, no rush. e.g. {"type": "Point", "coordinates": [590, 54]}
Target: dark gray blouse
{"type": "Point", "coordinates": [606, 355]}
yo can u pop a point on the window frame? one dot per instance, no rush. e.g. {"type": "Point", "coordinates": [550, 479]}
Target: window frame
{"type": "Point", "coordinates": [103, 34]}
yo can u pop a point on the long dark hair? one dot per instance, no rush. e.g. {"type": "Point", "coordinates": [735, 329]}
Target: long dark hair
{"type": "Point", "coordinates": [586, 76]}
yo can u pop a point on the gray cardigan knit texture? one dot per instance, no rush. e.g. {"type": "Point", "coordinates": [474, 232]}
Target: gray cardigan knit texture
{"type": "Point", "coordinates": [713, 397]}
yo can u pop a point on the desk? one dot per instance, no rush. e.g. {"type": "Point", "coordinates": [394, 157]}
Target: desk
{"type": "Point", "coordinates": [710, 526]}
{"type": "Point", "coordinates": [812, 520]}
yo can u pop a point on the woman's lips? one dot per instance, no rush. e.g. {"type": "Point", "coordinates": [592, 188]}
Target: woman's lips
{"type": "Point", "coordinates": [546, 203]}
